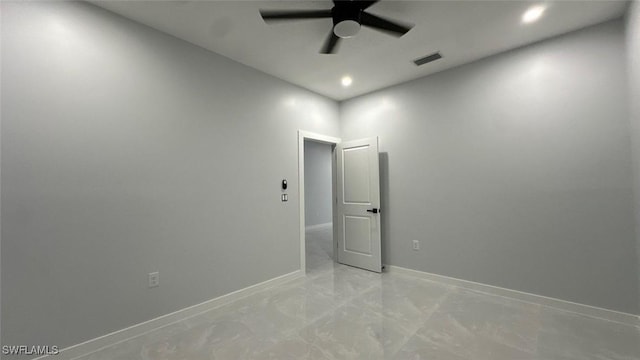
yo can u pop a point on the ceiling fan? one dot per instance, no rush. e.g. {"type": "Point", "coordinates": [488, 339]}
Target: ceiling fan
{"type": "Point", "coordinates": [347, 15]}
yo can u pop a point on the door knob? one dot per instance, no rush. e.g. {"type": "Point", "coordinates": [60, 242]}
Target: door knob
{"type": "Point", "coordinates": [374, 210]}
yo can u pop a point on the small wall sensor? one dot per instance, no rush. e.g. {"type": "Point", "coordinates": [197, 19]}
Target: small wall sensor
{"type": "Point", "coordinates": [284, 184]}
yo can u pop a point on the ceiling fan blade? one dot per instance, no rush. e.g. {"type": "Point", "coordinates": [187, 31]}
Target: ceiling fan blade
{"type": "Point", "coordinates": [388, 26]}
{"type": "Point", "coordinates": [365, 4]}
{"type": "Point", "coordinates": [276, 15]}
{"type": "Point", "coordinates": [355, 3]}
{"type": "Point", "coordinates": [330, 45]}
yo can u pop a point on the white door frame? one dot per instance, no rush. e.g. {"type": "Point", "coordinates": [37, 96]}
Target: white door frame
{"type": "Point", "coordinates": [302, 136]}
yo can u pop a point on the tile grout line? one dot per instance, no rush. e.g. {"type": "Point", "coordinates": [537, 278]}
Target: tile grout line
{"type": "Point", "coordinates": [459, 283]}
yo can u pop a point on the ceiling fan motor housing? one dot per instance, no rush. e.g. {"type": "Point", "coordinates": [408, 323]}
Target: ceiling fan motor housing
{"type": "Point", "coordinates": [347, 17]}
{"type": "Point", "coordinates": [346, 21]}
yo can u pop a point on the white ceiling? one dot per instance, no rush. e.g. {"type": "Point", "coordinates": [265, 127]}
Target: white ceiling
{"type": "Point", "coordinates": [463, 31]}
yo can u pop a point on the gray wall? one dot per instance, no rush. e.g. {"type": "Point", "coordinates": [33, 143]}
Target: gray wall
{"type": "Point", "coordinates": [126, 151]}
{"type": "Point", "coordinates": [633, 63]}
{"type": "Point", "coordinates": [317, 183]}
{"type": "Point", "coordinates": [513, 171]}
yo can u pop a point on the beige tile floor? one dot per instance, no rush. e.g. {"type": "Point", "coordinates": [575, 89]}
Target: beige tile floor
{"type": "Point", "coordinates": [338, 312]}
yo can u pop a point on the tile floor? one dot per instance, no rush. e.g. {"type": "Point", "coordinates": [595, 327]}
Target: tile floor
{"type": "Point", "coordinates": [338, 312]}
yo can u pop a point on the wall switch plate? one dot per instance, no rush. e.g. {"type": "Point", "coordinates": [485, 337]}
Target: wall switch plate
{"type": "Point", "coordinates": [154, 279]}
{"type": "Point", "coordinates": [416, 245]}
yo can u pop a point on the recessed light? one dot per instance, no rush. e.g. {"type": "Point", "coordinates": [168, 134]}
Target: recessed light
{"type": "Point", "coordinates": [346, 81]}
{"type": "Point", "coordinates": [533, 13]}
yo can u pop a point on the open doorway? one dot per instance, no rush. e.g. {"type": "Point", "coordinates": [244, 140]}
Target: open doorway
{"type": "Point", "coordinates": [318, 213]}
{"type": "Point", "coordinates": [317, 201]}
{"type": "Point", "coordinates": [355, 203]}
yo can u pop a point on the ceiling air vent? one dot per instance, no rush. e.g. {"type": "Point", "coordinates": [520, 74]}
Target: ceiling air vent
{"type": "Point", "coordinates": [427, 59]}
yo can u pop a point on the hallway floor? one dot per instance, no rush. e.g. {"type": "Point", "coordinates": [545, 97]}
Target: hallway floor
{"type": "Point", "coordinates": [338, 312]}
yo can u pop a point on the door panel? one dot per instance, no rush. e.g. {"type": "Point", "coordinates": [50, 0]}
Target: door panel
{"type": "Point", "coordinates": [356, 175]}
{"type": "Point", "coordinates": [357, 234]}
{"type": "Point", "coordinates": [358, 187]}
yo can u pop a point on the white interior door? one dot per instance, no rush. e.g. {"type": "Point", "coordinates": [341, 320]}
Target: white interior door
{"type": "Point", "coordinates": [358, 209]}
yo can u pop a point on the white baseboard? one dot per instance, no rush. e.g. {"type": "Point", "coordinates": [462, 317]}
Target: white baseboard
{"type": "Point", "coordinates": [587, 310]}
{"type": "Point", "coordinates": [93, 345]}
{"type": "Point", "coordinates": [319, 227]}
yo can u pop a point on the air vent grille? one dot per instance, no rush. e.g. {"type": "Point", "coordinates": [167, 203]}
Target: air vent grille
{"type": "Point", "coordinates": [427, 59]}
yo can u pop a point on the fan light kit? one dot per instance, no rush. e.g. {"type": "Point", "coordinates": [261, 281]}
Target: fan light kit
{"type": "Point", "coordinates": [533, 13]}
{"type": "Point", "coordinates": [346, 28]}
{"type": "Point", "coordinates": [346, 81]}
{"type": "Point", "coordinates": [347, 16]}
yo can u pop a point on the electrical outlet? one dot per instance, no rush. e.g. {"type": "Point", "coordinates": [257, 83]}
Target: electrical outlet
{"type": "Point", "coordinates": [154, 279]}
{"type": "Point", "coordinates": [416, 245]}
